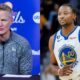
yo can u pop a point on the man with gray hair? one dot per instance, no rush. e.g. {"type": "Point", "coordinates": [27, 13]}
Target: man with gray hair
{"type": "Point", "coordinates": [15, 51]}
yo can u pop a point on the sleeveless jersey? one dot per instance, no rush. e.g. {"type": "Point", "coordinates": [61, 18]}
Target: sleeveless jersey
{"type": "Point", "coordinates": [67, 51]}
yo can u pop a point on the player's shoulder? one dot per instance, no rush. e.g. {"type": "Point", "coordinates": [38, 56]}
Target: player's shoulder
{"type": "Point", "coordinates": [77, 27]}
{"type": "Point", "coordinates": [52, 37]}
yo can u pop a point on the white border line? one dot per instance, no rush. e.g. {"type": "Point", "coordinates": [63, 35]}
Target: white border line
{"type": "Point", "coordinates": [17, 76]}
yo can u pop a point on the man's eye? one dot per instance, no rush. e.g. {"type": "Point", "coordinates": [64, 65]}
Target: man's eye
{"type": "Point", "coordinates": [59, 13]}
{"type": "Point", "coordinates": [4, 20]}
{"type": "Point", "coordinates": [66, 13]}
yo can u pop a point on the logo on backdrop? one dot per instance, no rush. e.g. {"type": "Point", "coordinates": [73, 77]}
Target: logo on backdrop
{"type": "Point", "coordinates": [18, 18]}
{"type": "Point", "coordinates": [14, 29]}
{"type": "Point", "coordinates": [36, 17]}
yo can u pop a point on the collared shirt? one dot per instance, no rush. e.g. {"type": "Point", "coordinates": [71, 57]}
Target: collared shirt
{"type": "Point", "coordinates": [15, 56]}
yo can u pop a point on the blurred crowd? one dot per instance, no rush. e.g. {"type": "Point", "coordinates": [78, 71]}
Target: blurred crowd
{"type": "Point", "coordinates": [49, 25]}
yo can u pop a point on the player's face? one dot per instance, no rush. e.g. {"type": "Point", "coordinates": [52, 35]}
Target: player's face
{"type": "Point", "coordinates": [66, 16]}
{"type": "Point", "coordinates": [5, 22]}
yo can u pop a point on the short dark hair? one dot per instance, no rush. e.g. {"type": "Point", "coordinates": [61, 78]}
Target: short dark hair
{"type": "Point", "coordinates": [74, 10]}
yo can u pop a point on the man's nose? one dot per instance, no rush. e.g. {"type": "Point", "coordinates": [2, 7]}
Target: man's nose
{"type": "Point", "coordinates": [62, 17]}
{"type": "Point", "coordinates": [1, 23]}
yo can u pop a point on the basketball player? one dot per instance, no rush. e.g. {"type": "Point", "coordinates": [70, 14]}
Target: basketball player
{"type": "Point", "coordinates": [65, 46]}
{"type": "Point", "coordinates": [15, 51]}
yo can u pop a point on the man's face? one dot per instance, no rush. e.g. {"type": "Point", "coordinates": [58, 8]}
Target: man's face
{"type": "Point", "coordinates": [65, 16]}
{"type": "Point", "coordinates": [5, 22]}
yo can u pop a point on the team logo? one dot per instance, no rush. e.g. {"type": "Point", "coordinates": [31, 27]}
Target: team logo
{"type": "Point", "coordinates": [14, 28]}
{"type": "Point", "coordinates": [58, 36]}
{"type": "Point", "coordinates": [36, 17]}
{"type": "Point", "coordinates": [67, 55]}
{"type": "Point", "coordinates": [18, 18]}
{"type": "Point", "coordinates": [73, 38]}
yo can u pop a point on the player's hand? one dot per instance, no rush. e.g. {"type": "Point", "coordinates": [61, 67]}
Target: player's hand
{"type": "Point", "coordinates": [66, 70]}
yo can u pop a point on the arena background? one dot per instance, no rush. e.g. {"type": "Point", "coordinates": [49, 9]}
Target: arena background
{"type": "Point", "coordinates": [48, 26]}
{"type": "Point", "coordinates": [26, 23]}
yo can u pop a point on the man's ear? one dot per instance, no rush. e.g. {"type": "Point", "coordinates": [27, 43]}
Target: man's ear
{"type": "Point", "coordinates": [11, 20]}
{"type": "Point", "coordinates": [74, 17]}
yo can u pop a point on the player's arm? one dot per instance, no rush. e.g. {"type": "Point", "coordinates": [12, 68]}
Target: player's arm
{"type": "Point", "coordinates": [53, 62]}
{"type": "Point", "coordinates": [53, 67]}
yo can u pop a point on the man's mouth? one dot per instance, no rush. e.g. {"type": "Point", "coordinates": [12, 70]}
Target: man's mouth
{"type": "Point", "coordinates": [1, 29]}
{"type": "Point", "coordinates": [62, 21]}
